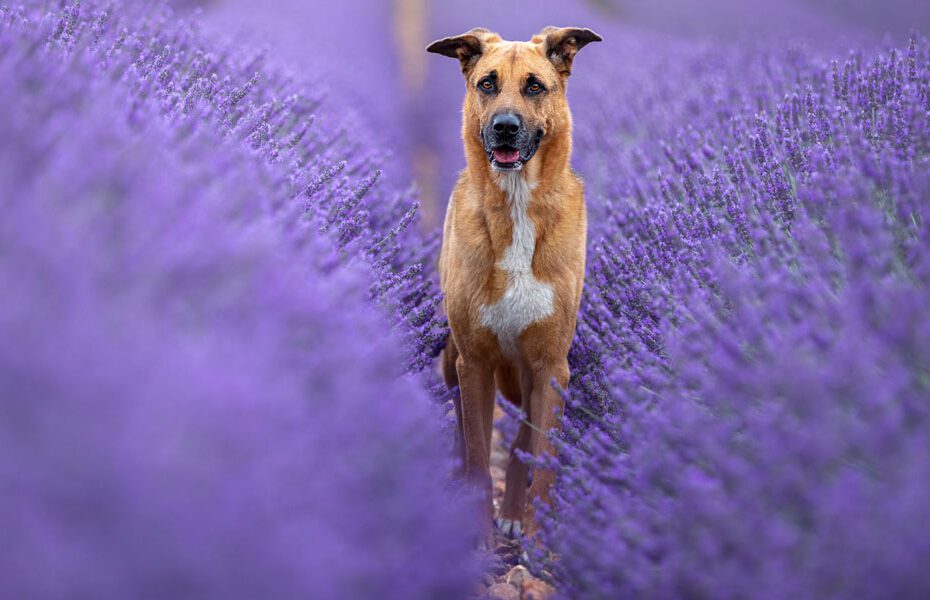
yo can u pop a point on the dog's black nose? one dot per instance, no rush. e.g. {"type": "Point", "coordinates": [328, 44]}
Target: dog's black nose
{"type": "Point", "coordinates": [506, 124]}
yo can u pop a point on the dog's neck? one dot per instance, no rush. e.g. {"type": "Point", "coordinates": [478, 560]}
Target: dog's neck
{"type": "Point", "coordinates": [517, 188]}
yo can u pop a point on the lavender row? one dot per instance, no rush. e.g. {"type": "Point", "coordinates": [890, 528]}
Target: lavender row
{"type": "Point", "coordinates": [750, 406]}
{"type": "Point", "coordinates": [213, 329]}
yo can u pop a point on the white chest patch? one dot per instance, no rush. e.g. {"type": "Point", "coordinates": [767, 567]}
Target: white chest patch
{"type": "Point", "coordinates": [526, 299]}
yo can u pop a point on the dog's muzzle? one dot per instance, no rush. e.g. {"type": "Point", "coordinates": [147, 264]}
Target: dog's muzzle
{"type": "Point", "coordinates": [508, 142]}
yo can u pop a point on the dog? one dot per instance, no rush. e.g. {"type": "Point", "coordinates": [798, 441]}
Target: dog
{"type": "Point", "coordinates": [512, 261]}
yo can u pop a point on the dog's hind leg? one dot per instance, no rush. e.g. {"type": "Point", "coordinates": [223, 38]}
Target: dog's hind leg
{"type": "Point", "coordinates": [449, 355]}
{"type": "Point", "coordinates": [514, 504]}
{"type": "Point", "coordinates": [450, 375]}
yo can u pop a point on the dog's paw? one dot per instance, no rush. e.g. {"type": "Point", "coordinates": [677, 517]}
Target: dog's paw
{"type": "Point", "coordinates": [487, 543]}
{"type": "Point", "coordinates": [510, 528]}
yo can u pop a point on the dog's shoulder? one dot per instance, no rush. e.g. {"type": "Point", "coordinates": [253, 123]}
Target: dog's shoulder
{"type": "Point", "coordinates": [465, 211]}
{"type": "Point", "coordinates": [464, 229]}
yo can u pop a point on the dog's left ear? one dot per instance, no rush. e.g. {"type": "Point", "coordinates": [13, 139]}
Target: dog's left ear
{"type": "Point", "coordinates": [562, 43]}
{"type": "Point", "coordinates": [467, 47]}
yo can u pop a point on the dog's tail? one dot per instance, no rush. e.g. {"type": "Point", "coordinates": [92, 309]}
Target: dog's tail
{"type": "Point", "coordinates": [449, 355]}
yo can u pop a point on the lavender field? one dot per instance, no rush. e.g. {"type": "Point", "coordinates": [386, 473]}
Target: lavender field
{"type": "Point", "coordinates": [220, 313]}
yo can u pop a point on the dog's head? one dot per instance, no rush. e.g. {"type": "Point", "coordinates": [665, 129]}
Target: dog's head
{"type": "Point", "coordinates": [515, 98]}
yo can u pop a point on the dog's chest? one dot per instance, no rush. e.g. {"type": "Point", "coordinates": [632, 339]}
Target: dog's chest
{"type": "Point", "coordinates": [526, 300]}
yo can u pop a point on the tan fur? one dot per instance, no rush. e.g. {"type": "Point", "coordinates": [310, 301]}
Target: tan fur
{"type": "Point", "coordinates": [478, 229]}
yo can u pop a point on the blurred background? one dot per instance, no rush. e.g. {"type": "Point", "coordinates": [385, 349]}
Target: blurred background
{"type": "Point", "coordinates": [203, 288]}
{"type": "Point", "coordinates": [369, 54]}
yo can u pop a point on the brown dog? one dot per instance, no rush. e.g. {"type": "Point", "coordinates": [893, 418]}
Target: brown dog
{"type": "Point", "coordinates": [513, 252]}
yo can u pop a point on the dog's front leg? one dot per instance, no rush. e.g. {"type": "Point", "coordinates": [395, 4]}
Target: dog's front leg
{"type": "Point", "coordinates": [476, 383]}
{"type": "Point", "coordinates": [546, 416]}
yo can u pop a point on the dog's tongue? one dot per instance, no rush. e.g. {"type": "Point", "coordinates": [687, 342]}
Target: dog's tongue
{"type": "Point", "coordinates": [506, 155]}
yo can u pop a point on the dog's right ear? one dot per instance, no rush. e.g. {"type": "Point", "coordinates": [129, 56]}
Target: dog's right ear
{"type": "Point", "coordinates": [467, 47]}
{"type": "Point", "coordinates": [563, 43]}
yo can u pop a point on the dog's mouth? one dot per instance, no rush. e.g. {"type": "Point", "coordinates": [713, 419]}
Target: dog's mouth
{"type": "Point", "coordinates": [505, 157]}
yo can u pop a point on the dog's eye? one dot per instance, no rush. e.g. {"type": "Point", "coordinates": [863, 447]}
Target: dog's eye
{"type": "Point", "coordinates": [533, 88]}
{"type": "Point", "coordinates": [486, 84]}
